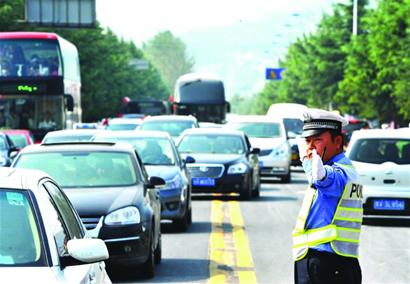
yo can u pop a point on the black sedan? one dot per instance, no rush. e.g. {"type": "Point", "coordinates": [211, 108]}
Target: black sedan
{"type": "Point", "coordinates": [225, 162]}
{"type": "Point", "coordinates": [107, 185]}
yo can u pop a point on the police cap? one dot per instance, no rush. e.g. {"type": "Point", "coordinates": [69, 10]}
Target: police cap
{"type": "Point", "coordinates": [317, 121]}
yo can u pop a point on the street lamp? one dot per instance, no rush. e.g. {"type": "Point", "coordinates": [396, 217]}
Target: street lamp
{"type": "Point", "coordinates": [354, 17]}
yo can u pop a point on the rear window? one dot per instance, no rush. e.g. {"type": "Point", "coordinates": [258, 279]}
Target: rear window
{"type": "Point", "coordinates": [258, 129]}
{"type": "Point", "coordinates": [174, 128]}
{"type": "Point", "coordinates": [83, 168]}
{"type": "Point", "coordinates": [378, 151]}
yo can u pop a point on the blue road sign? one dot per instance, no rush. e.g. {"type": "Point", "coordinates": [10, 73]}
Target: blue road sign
{"type": "Point", "coordinates": [274, 73]}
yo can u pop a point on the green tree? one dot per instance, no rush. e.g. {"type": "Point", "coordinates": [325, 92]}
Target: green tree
{"type": "Point", "coordinates": [169, 56]}
{"type": "Point", "coordinates": [11, 11]}
{"type": "Point", "coordinates": [377, 73]}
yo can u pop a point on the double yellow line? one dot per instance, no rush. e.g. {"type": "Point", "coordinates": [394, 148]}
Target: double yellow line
{"type": "Point", "coordinates": [230, 257]}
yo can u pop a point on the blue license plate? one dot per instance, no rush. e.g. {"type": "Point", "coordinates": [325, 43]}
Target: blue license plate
{"type": "Point", "coordinates": [203, 182]}
{"type": "Point", "coordinates": [388, 204]}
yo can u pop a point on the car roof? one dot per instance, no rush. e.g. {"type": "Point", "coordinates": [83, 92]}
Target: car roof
{"type": "Point", "coordinates": [254, 118]}
{"type": "Point", "coordinates": [402, 133]}
{"type": "Point", "coordinates": [225, 131]}
{"type": "Point", "coordinates": [20, 179]}
{"type": "Point", "coordinates": [79, 146]}
{"type": "Point", "coordinates": [170, 117]}
{"type": "Point", "coordinates": [134, 133]}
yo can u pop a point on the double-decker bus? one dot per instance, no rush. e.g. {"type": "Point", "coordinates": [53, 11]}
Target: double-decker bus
{"type": "Point", "coordinates": [200, 95]}
{"type": "Point", "coordinates": [39, 82]}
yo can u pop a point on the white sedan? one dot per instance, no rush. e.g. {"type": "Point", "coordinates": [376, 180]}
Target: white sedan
{"type": "Point", "coordinates": [42, 239]}
{"type": "Point", "coordinates": [382, 159]}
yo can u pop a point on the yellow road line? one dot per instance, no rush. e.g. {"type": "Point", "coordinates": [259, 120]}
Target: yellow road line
{"type": "Point", "coordinates": [230, 257]}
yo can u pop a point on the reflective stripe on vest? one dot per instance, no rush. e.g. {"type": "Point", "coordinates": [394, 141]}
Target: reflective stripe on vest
{"type": "Point", "coordinates": [343, 233]}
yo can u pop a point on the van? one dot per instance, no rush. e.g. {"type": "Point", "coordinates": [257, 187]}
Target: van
{"type": "Point", "coordinates": [292, 116]}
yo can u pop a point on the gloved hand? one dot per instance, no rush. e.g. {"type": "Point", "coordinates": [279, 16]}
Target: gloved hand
{"type": "Point", "coordinates": [302, 149]}
{"type": "Point", "coordinates": [318, 170]}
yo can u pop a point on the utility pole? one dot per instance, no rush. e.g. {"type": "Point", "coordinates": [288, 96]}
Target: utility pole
{"type": "Point", "coordinates": [354, 17]}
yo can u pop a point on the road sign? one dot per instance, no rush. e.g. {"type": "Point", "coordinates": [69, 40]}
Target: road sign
{"type": "Point", "coordinates": [274, 73]}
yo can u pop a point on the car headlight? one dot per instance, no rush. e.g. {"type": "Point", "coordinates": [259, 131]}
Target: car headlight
{"type": "Point", "coordinates": [173, 183]}
{"type": "Point", "coordinates": [239, 168]}
{"type": "Point", "coordinates": [282, 150]}
{"type": "Point", "coordinates": [124, 216]}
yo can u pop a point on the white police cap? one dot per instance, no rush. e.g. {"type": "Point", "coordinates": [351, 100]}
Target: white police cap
{"type": "Point", "coordinates": [317, 121]}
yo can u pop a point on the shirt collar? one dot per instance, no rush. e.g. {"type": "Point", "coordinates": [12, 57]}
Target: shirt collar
{"type": "Point", "coordinates": [335, 158]}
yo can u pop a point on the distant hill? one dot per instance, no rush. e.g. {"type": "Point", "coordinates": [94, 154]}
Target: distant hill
{"type": "Point", "coordinates": [240, 53]}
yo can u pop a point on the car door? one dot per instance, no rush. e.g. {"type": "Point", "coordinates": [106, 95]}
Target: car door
{"type": "Point", "coordinates": [254, 161]}
{"type": "Point", "coordinates": [72, 228]}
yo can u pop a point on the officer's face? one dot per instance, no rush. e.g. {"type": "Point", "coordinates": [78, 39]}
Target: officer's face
{"type": "Point", "coordinates": [321, 142]}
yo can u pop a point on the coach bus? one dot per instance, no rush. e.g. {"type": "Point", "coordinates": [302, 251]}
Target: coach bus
{"type": "Point", "coordinates": [142, 107]}
{"type": "Point", "coordinates": [39, 82]}
{"type": "Point", "coordinates": [200, 95]}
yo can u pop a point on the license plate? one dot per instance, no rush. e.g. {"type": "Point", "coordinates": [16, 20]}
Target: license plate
{"type": "Point", "coordinates": [203, 182]}
{"type": "Point", "coordinates": [388, 204]}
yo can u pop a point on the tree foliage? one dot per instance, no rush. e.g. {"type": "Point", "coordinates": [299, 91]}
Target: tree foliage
{"type": "Point", "coordinates": [169, 55]}
{"type": "Point", "coordinates": [104, 62]}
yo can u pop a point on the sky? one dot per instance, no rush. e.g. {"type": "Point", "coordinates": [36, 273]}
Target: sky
{"type": "Point", "coordinates": [282, 22]}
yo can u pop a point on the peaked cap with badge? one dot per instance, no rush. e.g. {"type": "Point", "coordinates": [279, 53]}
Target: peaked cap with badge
{"type": "Point", "coordinates": [317, 121]}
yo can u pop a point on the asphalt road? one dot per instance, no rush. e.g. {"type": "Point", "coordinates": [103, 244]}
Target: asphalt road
{"type": "Point", "coordinates": [233, 241]}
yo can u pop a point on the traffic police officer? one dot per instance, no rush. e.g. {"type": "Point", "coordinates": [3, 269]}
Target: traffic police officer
{"type": "Point", "coordinates": [327, 231]}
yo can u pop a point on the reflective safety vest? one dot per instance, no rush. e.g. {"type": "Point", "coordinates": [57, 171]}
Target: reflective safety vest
{"type": "Point", "coordinates": [343, 232]}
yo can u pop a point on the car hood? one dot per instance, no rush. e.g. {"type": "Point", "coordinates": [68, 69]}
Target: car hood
{"type": "Point", "coordinates": [385, 174]}
{"type": "Point", "coordinates": [98, 201]}
{"type": "Point", "coordinates": [266, 143]}
{"type": "Point", "coordinates": [165, 172]}
{"type": "Point", "coordinates": [210, 158]}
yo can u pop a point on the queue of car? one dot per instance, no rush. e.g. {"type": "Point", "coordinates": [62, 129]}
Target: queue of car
{"type": "Point", "coordinates": [118, 186]}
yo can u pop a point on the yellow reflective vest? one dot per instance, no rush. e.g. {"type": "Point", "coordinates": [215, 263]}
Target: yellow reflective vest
{"type": "Point", "coordinates": [343, 232]}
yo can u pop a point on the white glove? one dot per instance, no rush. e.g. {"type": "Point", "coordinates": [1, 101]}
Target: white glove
{"type": "Point", "coordinates": [318, 170]}
{"type": "Point", "coordinates": [302, 148]}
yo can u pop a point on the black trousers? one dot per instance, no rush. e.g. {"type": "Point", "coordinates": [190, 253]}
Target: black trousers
{"type": "Point", "coordinates": [327, 268]}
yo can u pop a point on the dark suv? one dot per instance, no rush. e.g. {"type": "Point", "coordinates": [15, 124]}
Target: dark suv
{"type": "Point", "coordinates": [108, 186]}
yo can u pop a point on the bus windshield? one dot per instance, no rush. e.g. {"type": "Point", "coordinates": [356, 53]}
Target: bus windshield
{"type": "Point", "coordinates": [34, 57]}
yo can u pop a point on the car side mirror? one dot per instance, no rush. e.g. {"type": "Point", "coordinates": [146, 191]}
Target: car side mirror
{"type": "Point", "coordinates": [255, 151]}
{"type": "Point", "coordinates": [189, 160]}
{"type": "Point", "coordinates": [82, 251]}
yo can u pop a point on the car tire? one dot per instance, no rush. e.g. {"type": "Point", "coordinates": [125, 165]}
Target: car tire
{"type": "Point", "coordinates": [256, 191]}
{"type": "Point", "coordinates": [246, 193]}
{"type": "Point", "coordinates": [287, 178]}
{"type": "Point", "coordinates": [158, 251]}
{"type": "Point", "coordinates": [148, 267]}
{"type": "Point", "coordinates": [183, 223]}
{"type": "Point", "coordinates": [190, 216]}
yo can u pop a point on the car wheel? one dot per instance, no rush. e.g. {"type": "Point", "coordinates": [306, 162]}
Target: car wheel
{"type": "Point", "coordinates": [148, 267]}
{"type": "Point", "coordinates": [183, 223]}
{"type": "Point", "coordinates": [246, 192]}
{"type": "Point", "coordinates": [158, 251]}
{"type": "Point", "coordinates": [256, 191]}
{"type": "Point", "coordinates": [287, 178]}
{"type": "Point", "coordinates": [190, 216]}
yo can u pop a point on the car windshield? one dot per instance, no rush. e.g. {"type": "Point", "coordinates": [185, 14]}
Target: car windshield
{"type": "Point", "coordinates": [174, 128]}
{"type": "Point", "coordinates": [20, 243]}
{"type": "Point", "coordinates": [19, 140]}
{"type": "Point", "coordinates": [294, 125]}
{"type": "Point", "coordinates": [83, 168]}
{"type": "Point", "coordinates": [258, 129]}
{"type": "Point", "coordinates": [153, 151]}
{"type": "Point", "coordinates": [215, 144]}
{"type": "Point", "coordinates": [378, 151]}
{"type": "Point", "coordinates": [122, 126]}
